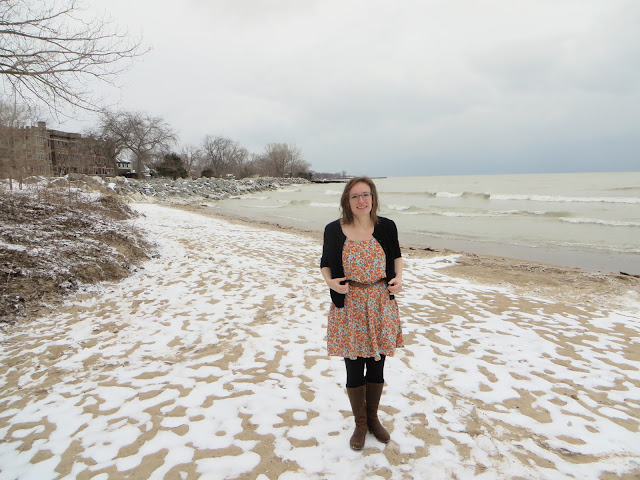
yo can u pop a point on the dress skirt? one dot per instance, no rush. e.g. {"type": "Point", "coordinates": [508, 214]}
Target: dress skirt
{"type": "Point", "coordinates": [369, 323]}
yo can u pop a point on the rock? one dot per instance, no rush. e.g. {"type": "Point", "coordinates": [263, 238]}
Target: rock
{"type": "Point", "coordinates": [164, 188]}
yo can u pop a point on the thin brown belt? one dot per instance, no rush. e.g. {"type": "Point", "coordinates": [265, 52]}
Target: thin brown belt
{"type": "Point", "coordinates": [364, 285]}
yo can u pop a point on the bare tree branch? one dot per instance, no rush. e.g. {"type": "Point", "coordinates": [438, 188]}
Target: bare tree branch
{"type": "Point", "coordinates": [49, 53]}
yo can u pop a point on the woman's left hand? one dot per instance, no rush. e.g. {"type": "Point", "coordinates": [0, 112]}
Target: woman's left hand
{"type": "Point", "coordinates": [395, 285]}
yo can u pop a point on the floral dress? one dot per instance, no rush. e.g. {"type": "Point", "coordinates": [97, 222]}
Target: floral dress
{"type": "Point", "coordinates": [369, 323]}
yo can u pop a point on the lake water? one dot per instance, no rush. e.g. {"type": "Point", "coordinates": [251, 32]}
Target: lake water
{"type": "Point", "coordinates": [588, 220]}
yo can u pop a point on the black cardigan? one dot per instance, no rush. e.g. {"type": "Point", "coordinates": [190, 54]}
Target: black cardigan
{"type": "Point", "coordinates": [384, 231]}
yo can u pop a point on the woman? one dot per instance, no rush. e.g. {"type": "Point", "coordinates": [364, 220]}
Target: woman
{"type": "Point", "coordinates": [362, 265]}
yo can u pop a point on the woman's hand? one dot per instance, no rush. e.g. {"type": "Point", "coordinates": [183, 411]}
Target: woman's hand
{"type": "Point", "coordinates": [395, 285]}
{"type": "Point", "coordinates": [335, 284]}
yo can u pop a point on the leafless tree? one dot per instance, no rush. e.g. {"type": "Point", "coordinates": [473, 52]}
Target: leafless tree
{"type": "Point", "coordinates": [142, 135]}
{"type": "Point", "coordinates": [14, 117]}
{"type": "Point", "coordinates": [192, 159]}
{"type": "Point", "coordinates": [49, 52]}
{"type": "Point", "coordinates": [283, 159]}
{"type": "Point", "coordinates": [223, 155]}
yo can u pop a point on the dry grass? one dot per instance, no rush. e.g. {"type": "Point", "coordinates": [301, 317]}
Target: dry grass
{"type": "Point", "coordinates": [53, 240]}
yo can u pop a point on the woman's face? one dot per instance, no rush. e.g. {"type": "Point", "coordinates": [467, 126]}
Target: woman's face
{"type": "Point", "coordinates": [360, 200]}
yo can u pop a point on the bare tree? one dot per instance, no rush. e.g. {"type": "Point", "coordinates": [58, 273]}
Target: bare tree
{"type": "Point", "coordinates": [140, 134]}
{"type": "Point", "coordinates": [14, 117]}
{"type": "Point", "coordinates": [192, 159]}
{"type": "Point", "coordinates": [48, 52]}
{"type": "Point", "coordinates": [283, 159]}
{"type": "Point", "coordinates": [223, 155]}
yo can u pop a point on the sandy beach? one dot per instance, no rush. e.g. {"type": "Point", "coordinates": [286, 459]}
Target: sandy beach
{"type": "Point", "coordinates": [209, 362]}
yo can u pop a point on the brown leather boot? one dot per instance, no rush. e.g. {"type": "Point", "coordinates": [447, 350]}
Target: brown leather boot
{"type": "Point", "coordinates": [357, 397]}
{"type": "Point", "coordinates": [374, 392]}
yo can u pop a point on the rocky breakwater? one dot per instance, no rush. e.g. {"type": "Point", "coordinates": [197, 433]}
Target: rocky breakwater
{"type": "Point", "coordinates": [158, 189]}
{"type": "Point", "coordinates": [187, 189]}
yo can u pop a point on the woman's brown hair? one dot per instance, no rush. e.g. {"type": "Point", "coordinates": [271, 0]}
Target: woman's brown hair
{"type": "Point", "coordinates": [346, 215]}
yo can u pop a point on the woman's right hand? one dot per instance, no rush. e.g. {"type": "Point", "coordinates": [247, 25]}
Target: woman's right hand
{"type": "Point", "coordinates": [337, 285]}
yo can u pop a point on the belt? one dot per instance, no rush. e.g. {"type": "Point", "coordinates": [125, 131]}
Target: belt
{"type": "Point", "coordinates": [364, 285]}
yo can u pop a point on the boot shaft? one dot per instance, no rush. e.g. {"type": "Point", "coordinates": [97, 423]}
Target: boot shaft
{"type": "Point", "coordinates": [358, 400]}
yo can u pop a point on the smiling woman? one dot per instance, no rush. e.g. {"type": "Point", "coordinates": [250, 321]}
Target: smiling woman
{"type": "Point", "coordinates": [362, 265]}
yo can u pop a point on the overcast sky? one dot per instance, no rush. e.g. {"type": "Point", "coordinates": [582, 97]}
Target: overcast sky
{"type": "Point", "coordinates": [395, 88]}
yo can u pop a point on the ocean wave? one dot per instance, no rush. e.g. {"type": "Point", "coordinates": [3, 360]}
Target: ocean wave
{"type": "Point", "coordinates": [439, 194]}
{"type": "Point", "coordinates": [525, 196]}
{"type": "Point", "coordinates": [471, 215]}
{"type": "Point", "coordinates": [250, 197]}
{"type": "Point", "coordinates": [626, 189]}
{"type": "Point", "coordinates": [463, 194]}
{"type": "Point", "coordinates": [497, 213]}
{"type": "Point", "coordinates": [413, 210]}
{"type": "Point", "coordinates": [294, 219]}
{"type": "Point", "coordinates": [400, 208]}
{"type": "Point", "coordinates": [486, 196]}
{"type": "Point", "coordinates": [448, 194]}
{"type": "Point", "coordinates": [407, 210]}
{"type": "Point", "coordinates": [306, 203]}
{"type": "Point", "coordinates": [544, 213]}
{"type": "Point", "coordinates": [322, 205]}
{"type": "Point", "coordinates": [609, 223]}
{"type": "Point", "coordinates": [406, 194]}
{"type": "Point", "coordinates": [562, 199]}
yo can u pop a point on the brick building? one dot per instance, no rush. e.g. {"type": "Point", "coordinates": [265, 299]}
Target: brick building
{"type": "Point", "coordinates": [38, 150]}
{"type": "Point", "coordinates": [25, 151]}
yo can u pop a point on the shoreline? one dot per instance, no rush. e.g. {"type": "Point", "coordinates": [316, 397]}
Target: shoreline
{"type": "Point", "coordinates": [595, 261]}
{"type": "Point", "coordinates": [567, 284]}
{"type": "Point", "coordinates": [212, 194]}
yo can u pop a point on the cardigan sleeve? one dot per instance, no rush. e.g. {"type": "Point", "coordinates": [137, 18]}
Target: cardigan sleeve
{"type": "Point", "coordinates": [394, 244]}
{"type": "Point", "coordinates": [332, 257]}
{"type": "Point", "coordinates": [386, 233]}
{"type": "Point", "coordinates": [329, 240]}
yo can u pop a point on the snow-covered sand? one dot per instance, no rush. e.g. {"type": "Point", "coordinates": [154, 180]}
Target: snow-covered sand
{"type": "Point", "coordinates": [210, 362]}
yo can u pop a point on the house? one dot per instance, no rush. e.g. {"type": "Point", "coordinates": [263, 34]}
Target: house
{"type": "Point", "coordinates": [124, 168]}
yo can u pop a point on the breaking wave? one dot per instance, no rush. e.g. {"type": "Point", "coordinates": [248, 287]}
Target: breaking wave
{"type": "Point", "coordinates": [522, 197]}
{"type": "Point", "coordinates": [305, 203]}
{"type": "Point", "coordinates": [413, 210]}
{"type": "Point", "coordinates": [562, 199]}
{"type": "Point", "coordinates": [596, 221]}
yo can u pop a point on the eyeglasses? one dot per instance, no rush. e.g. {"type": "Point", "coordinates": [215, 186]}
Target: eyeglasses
{"type": "Point", "coordinates": [365, 196]}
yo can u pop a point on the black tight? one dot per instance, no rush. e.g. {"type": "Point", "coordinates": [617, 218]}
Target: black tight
{"type": "Point", "coordinates": [355, 371]}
